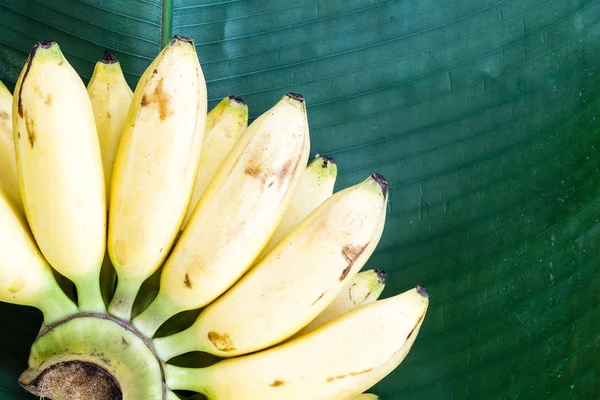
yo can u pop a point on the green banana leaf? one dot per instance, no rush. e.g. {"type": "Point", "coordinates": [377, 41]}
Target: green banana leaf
{"type": "Point", "coordinates": [484, 115]}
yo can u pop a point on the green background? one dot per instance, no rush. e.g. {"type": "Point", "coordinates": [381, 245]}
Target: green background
{"type": "Point", "coordinates": [482, 114]}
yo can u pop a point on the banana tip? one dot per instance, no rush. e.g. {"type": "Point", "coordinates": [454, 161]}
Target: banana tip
{"type": "Point", "coordinates": [295, 96]}
{"type": "Point", "coordinates": [179, 38]}
{"type": "Point", "coordinates": [383, 183]}
{"type": "Point", "coordinates": [237, 99]}
{"type": "Point", "coordinates": [381, 276]}
{"type": "Point", "coordinates": [327, 160]}
{"type": "Point", "coordinates": [45, 44]}
{"type": "Point", "coordinates": [108, 58]}
{"type": "Point", "coordinates": [422, 291]}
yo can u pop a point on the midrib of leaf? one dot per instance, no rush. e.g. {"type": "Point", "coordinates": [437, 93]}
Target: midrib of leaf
{"type": "Point", "coordinates": [167, 22]}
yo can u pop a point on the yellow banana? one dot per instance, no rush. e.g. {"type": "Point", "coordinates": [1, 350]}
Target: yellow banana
{"type": "Point", "coordinates": [237, 214]}
{"type": "Point", "coordinates": [224, 125]}
{"type": "Point", "coordinates": [110, 96]}
{"type": "Point", "coordinates": [155, 168]}
{"type": "Point", "coordinates": [297, 280]}
{"type": "Point", "coordinates": [315, 187]}
{"type": "Point", "coordinates": [9, 180]}
{"type": "Point", "coordinates": [26, 277]}
{"type": "Point", "coordinates": [339, 360]}
{"type": "Point", "coordinates": [60, 169]}
{"type": "Point", "coordinates": [364, 288]}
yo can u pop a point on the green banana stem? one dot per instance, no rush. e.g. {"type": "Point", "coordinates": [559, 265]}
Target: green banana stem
{"type": "Point", "coordinates": [157, 313]}
{"type": "Point", "coordinates": [125, 294]}
{"type": "Point", "coordinates": [181, 378]}
{"type": "Point", "coordinates": [177, 344]}
{"type": "Point", "coordinates": [89, 295]}
{"type": "Point", "coordinates": [56, 305]}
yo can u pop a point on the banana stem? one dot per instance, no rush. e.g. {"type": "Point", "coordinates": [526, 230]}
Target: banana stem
{"type": "Point", "coordinates": [89, 295]}
{"type": "Point", "coordinates": [193, 379]}
{"type": "Point", "coordinates": [125, 295]}
{"type": "Point", "coordinates": [56, 305]}
{"type": "Point", "coordinates": [177, 344]}
{"type": "Point", "coordinates": [157, 313]}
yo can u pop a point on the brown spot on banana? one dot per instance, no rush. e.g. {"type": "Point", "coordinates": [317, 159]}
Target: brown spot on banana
{"type": "Point", "coordinates": [17, 286]}
{"type": "Point", "coordinates": [221, 341]}
{"type": "Point", "coordinates": [351, 253]}
{"type": "Point", "coordinates": [187, 281]}
{"type": "Point", "coordinates": [253, 170]}
{"type": "Point", "coordinates": [318, 298]}
{"type": "Point", "coordinates": [27, 68]}
{"type": "Point", "coordinates": [48, 100]}
{"type": "Point", "coordinates": [30, 126]}
{"type": "Point", "coordinates": [338, 377]}
{"type": "Point", "coordinates": [350, 293]}
{"type": "Point", "coordinates": [160, 98]}
{"type": "Point", "coordinates": [284, 171]}
{"type": "Point", "coordinates": [415, 327]}
{"type": "Point", "coordinates": [3, 115]}
{"type": "Point", "coordinates": [277, 383]}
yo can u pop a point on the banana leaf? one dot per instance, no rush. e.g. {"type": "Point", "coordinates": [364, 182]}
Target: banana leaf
{"type": "Point", "coordinates": [483, 115]}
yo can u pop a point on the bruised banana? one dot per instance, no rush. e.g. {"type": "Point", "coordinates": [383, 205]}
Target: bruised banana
{"type": "Point", "coordinates": [111, 97]}
{"type": "Point", "coordinates": [316, 185]}
{"type": "Point", "coordinates": [297, 280]}
{"type": "Point", "coordinates": [224, 125]}
{"type": "Point", "coordinates": [339, 360]}
{"type": "Point", "coordinates": [237, 214]}
{"type": "Point", "coordinates": [26, 277]}
{"type": "Point", "coordinates": [155, 168]}
{"type": "Point", "coordinates": [364, 288]}
{"type": "Point", "coordinates": [60, 169]}
{"type": "Point", "coordinates": [9, 180]}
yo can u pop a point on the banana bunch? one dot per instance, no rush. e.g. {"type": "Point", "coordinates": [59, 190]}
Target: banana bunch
{"type": "Point", "coordinates": [151, 208]}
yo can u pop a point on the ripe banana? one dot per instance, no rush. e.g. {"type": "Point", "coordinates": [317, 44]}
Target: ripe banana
{"type": "Point", "coordinates": [224, 125]}
{"type": "Point", "coordinates": [237, 214]}
{"type": "Point", "coordinates": [364, 288]}
{"type": "Point", "coordinates": [339, 360]}
{"type": "Point", "coordinates": [60, 169]}
{"type": "Point", "coordinates": [26, 277]}
{"type": "Point", "coordinates": [315, 187]}
{"type": "Point", "coordinates": [155, 168]}
{"type": "Point", "coordinates": [297, 280]}
{"type": "Point", "coordinates": [9, 180]}
{"type": "Point", "coordinates": [110, 96]}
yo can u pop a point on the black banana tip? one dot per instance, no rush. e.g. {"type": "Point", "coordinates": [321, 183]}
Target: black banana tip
{"type": "Point", "coordinates": [326, 160]}
{"type": "Point", "coordinates": [45, 44]}
{"type": "Point", "coordinates": [382, 182]}
{"type": "Point", "coordinates": [422, 291]}
{"type": "Point", "coordinates": [381, 276]}
{"type": "Point", "coordinates": [295, 96]}
{"type": "Point", "coordinates": [182, 39]}
{"type": "Point", "coordinates": [108, 58]}
{"type": "Point", "coordinates": [237, 99]}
